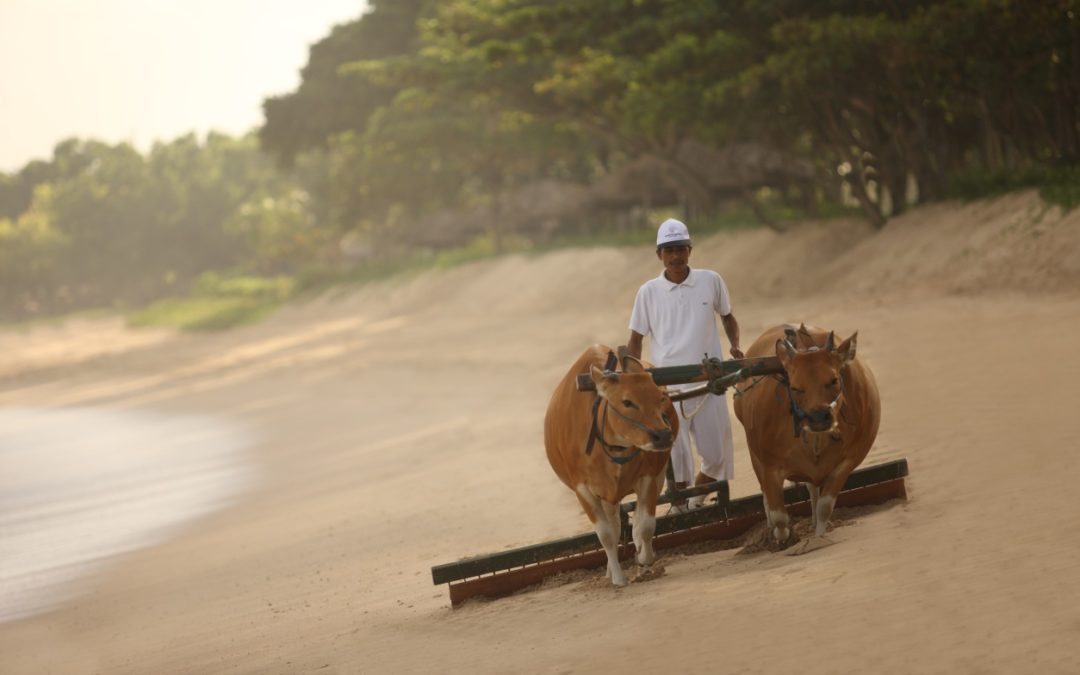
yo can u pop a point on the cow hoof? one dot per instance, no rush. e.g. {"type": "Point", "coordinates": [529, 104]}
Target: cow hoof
{"type": "Point", "coordinates": [808, 545]}
{"type": "Point", "coordinates": [648, 573]}
{"type": "Point", "coordinates": [617, 576]}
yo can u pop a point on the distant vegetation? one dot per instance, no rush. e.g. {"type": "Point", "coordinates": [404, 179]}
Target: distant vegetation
{"type": "Point", "coordinates": [472, 127]}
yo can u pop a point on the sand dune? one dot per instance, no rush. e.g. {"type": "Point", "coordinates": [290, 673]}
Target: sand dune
{"type": "Point", "coordinates": [401, 426]}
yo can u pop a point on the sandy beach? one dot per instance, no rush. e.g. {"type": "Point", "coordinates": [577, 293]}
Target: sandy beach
{"type": "Point", "coordinates": [399, 426]}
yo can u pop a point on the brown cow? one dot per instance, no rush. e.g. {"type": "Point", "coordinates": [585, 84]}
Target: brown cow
{"type": "Point", "coordinates": [813, 426]}
{"type": "Point", "coordinates": [626, 451]}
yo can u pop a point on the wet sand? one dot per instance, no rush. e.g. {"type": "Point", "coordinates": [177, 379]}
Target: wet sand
{"type": "Point", "coordinates": [81, 486]}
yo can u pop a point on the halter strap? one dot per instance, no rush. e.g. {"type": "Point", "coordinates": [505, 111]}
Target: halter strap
{"type": "Point", "coordinates": [797, 413]}
{"type": "Point", "coordinates": [596, 433]}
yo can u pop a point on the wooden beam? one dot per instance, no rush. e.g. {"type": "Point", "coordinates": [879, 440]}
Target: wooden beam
{"type": "Point", "coordinates": [664, 375]}
{"type": "Point", "coordinates": [503, 573]}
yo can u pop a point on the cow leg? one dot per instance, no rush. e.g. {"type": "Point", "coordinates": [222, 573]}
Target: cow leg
{"type": "Point", "coordinates": [611, 544]}
{"type": "Point", "coordinates": [830, 489]}
{"type": "Point", "coordinates": [772, 489]}
{"type": "Point", "coordinates": [648, 487]}
{"type": "Point", "coordinates": [759, 472]}
{"type": "Point", "coordinates": [815, 492]}
{"type": "Point", "coordinates": [605, 515]}
{"type": "Point", "coordinates": [768, 513]}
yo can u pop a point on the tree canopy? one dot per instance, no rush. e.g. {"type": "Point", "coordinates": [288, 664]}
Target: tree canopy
{"type": "Point", "coordinates": [426, 122]}
{"type": "Point", "coordinates": [888, 101]}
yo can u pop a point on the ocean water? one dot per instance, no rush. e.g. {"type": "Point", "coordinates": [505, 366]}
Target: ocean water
{"type": "Point", "coordinates": [81, 486]}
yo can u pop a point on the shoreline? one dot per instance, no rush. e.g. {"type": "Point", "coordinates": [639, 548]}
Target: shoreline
{"type": "Point", "coordinates": [82, 487]}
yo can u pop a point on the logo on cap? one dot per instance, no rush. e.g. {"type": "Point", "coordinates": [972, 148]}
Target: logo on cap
{"type": "Point", "coordinates": [672, 232]}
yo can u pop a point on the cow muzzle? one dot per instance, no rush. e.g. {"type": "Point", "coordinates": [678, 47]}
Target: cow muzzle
{"type": "Point", "coordinates": [820, 420]}
{"type": "Point", "coordinates": [661, 439]}
{"type": "Point", "coordinates": [820, 429]}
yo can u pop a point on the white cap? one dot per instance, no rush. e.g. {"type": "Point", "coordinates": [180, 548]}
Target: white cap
{"type": "Point", "coordinates": [672, 233]}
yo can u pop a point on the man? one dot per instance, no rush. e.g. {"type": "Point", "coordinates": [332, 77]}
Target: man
{"type": "Point", "coordinates": [678, 310]}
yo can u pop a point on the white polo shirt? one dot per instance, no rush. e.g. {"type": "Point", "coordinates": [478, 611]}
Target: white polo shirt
{"type": "Point", "coordinates": [681, 318]}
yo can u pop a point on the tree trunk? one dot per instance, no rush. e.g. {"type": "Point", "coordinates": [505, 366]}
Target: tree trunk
{"type": "Point", "coordinates": [694, 187]}
{"type": "Point", "coordinates": [751, 200]}
{"type": "Point", "coordinates": [869, 207]}
{"type": "Point", "coordinates": [897, 187]}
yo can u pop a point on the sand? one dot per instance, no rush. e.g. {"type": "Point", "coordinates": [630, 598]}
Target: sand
{"type": "Point", "coordinates": [402, 428]}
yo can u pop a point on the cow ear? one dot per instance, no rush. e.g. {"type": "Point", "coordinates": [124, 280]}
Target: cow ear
{"type": "Point", "coordinates": [631, 364]}
{"type": "Point", "coordinates": [830, 342]}
{"type": "Point", "coordinates": [846, 350]}
{"type": "Point", "coordinates": [602, 378]}
{"type": "Point", "coordinates": [785, 352]}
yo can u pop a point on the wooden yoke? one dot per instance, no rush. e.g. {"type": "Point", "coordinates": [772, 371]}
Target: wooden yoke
{"type": "Point", "coordinates": [708, 370]}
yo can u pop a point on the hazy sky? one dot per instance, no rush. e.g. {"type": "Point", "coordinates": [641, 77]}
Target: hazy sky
{"type": "Point", "coordinates": [146, 70]}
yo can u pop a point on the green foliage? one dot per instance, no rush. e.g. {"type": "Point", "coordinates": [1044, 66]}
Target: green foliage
{"type": "Point", "coordinates": [216, 285]}
{"type": "Point", "coordinates": [488, 95]}
{"type": "Point", "coordinates": [330, 102]}
{"type": "Point", "coordinates": [424, 123]}
{"type": "Point", "coordinates": [278, 230]}
{"type": "Point", "coordinates": [1063, 189]}
{"type": "Point", "coordinates": [110, 226]}
{"type": "Point", "coordinates": [219, 302]}
{"type": "Point", "coordinates": [1056, 185]}
{"type": "Point", "coordinates": [202, 313]}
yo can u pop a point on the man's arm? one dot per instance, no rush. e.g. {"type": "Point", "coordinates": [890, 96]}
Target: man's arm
{"type": "Point", "coordinates": [731, 327]}
{"type": "Point", "coordinates": [633, 345]}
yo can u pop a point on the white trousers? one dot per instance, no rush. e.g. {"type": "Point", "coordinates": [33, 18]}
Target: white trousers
{"type": "Point", "coordinates": [707, 422]}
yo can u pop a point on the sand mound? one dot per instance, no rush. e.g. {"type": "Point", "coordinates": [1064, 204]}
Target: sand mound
{"type": "Point", "coordinates": [1015, 243]}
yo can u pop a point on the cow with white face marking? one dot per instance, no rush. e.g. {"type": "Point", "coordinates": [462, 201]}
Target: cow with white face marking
{"type": "Point", "coordinates": [606, 444]}
{"type": "Point", "coordinates": [814, 424]}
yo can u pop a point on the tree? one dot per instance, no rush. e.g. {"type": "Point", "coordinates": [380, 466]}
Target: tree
{"type": "Point", "coordinates": [327, 103]}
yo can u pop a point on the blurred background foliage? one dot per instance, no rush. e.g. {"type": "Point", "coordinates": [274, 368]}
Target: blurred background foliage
{"type": "Point", "coordinates": [428, 131]}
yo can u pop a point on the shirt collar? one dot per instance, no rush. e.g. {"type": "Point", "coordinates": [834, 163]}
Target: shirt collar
{"type": "Point", "coordinates": [671, 284]}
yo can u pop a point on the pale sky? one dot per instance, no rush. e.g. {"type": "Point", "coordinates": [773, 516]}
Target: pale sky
{"type": "Point", "coordinates": [146, 70]}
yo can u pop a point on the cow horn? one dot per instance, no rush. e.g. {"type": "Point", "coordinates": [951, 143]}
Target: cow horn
{"type": "Point", "coordinates": [829, 342]}
{"type": "Point", "coordinates": [631, 364]}
{"type": "Point", "coordinates": [789, 348]}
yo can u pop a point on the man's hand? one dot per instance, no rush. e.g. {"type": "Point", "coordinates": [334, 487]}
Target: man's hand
{"type": "Point", "coordinates": [731, 327]}
{"type": "Point", "coordinates": [633, 345]}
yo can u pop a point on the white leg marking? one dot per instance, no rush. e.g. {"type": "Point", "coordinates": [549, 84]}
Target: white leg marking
{"type": "Point", "coordinates": [815, 492]}
{"type": "Point", "coordinates": [822, 512]}
{"type": "Point", "coordinates": [644, 525]}
{"type": "Point", "coordinates": [608, 533]}
{"type": "Point", "coordinates": [780, 529]}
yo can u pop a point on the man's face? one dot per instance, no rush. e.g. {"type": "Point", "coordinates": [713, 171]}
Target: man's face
{"type": "Point", "coordinates": [675, 258]}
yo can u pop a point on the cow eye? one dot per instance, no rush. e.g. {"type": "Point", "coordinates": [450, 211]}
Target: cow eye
{"type": "Point", "coordinates": [797, 390]}
{"type": "Point", "coordinates": [628, 403]}
{"type": "Point", "coordinates": [833, 382]}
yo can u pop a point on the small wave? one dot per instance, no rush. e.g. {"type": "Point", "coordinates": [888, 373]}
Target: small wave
{"type": "Point", "coordinates": [79, 486]}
